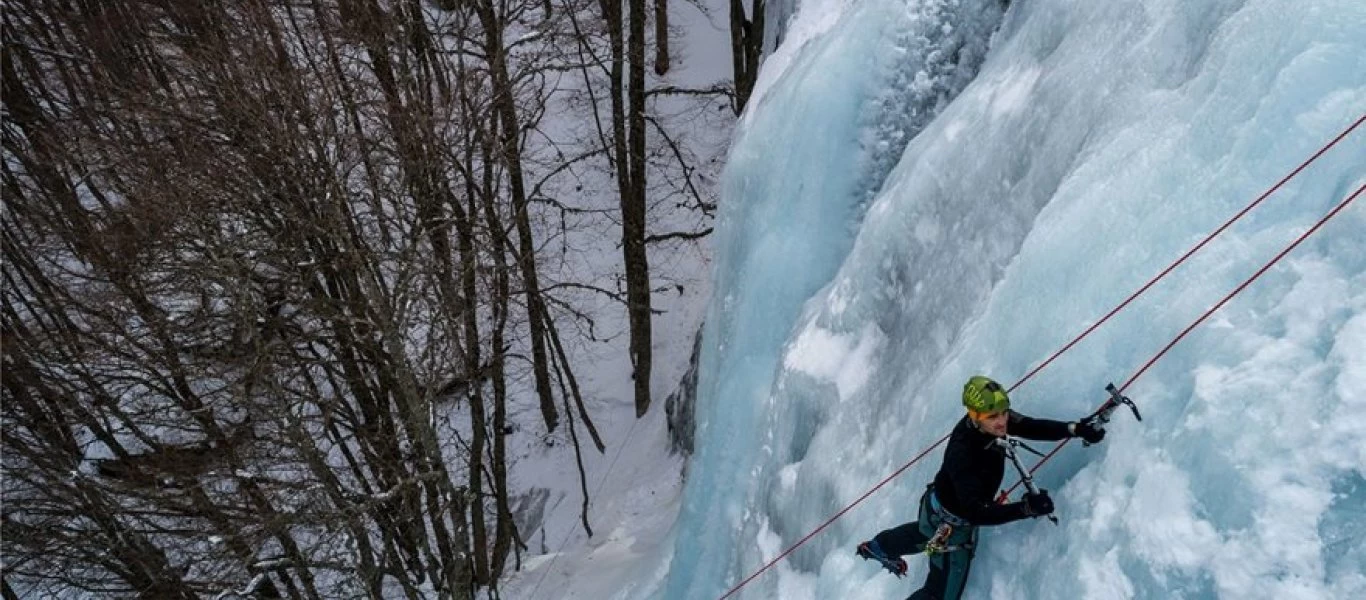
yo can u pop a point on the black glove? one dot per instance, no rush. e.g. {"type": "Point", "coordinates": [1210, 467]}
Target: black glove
{"type": "Point", "coordinates": [1038, 505]}
{"type": "Point", "coordinates": [1088, 432]}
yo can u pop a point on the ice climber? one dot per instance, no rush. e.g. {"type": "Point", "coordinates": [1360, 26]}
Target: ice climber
{"type": "Point", "coordinates": [962, 496]}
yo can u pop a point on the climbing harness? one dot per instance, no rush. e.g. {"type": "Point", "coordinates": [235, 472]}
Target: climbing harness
{"type": "Point", "coordinates": [939, 542]}
{"type": "Point", "coordinates": [943, 513]}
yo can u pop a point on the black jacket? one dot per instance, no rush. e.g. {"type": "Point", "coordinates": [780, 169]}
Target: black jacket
{"type": "Point", "coordinates": [974, 466]}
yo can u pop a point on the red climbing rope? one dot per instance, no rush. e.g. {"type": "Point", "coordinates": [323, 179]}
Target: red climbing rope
{"type": "Point", "coordinates": [1193, 250]}
{"type": "Point", "coordinates": [1337, 209]}
{"type": "Point", "coordinates": [837, 516]}
{"type": "Point", "coordinates": [1093, 327]}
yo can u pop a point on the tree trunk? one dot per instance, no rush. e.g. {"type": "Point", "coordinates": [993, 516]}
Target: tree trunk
{"type": "Point", "coordinates": [661, 37]}
{"type": "Point", "coordinates": [746, 48]}
{"type": "Point", "coordinates": [633, 215]}
{"type": "Point", "coordinates": [505, 107]}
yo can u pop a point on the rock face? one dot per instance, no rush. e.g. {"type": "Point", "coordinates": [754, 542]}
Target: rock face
{"type": "Point", "coordinates": [679, 405]}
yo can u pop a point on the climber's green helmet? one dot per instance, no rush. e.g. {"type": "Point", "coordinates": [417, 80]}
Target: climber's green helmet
{"type": "Point", "coordinates": [982, 396]}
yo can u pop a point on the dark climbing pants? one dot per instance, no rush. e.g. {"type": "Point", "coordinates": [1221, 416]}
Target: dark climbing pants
{"type": "Point", "coordinates": [948, 570]}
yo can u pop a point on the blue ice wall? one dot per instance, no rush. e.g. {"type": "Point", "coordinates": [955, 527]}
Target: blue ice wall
{"type": "Point", "coordinates": [784, 236]}
{"type": "Point", "coordinates": [883, 237]}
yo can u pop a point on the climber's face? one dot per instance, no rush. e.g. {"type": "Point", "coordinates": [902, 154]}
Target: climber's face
{"type": "Point", "coordinates": [994, 423]}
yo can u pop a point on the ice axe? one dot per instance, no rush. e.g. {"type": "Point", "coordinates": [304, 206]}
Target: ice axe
{"type": "Point", "coordinates": [1008, 444]}
{"type": "Point", "coordinates": [1099, 418]}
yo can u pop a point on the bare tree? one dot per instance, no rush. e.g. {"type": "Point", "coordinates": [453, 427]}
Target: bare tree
{"type": "Point", "coordinates": [626, 88]}
{"type": "Point", "coordinates": [205, 224]}
{"type": "Point", "coordinates": [275, 276]}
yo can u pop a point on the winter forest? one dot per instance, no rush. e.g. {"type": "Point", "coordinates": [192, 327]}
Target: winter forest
{"type": "Point", "coordinates": [670, 300]}
{"type": "Point", "coordinates": [283, 278]}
